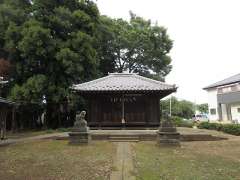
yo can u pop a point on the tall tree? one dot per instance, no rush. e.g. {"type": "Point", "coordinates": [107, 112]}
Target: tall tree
{"type": "Point", "coordinates": [181, 108]}
{"type": "Point", "coordinates": [136, 46]}
{"type": "Point", "coordinates": [51, 45]}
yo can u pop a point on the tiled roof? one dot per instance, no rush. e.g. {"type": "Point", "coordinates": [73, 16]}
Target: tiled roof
{"type": "Point", "coordinates": [230, 80]}
{"type": "Point", "coordinates": [123, 82]}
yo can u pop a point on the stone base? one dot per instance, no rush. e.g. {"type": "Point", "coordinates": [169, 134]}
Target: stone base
{"type": "Point", "coordinates": [168, 138]}
{"type": "Point", "coordinates": [79, 138]}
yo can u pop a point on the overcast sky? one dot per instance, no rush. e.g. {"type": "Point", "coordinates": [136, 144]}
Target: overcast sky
{"type": "Point", "coordinates": [206, 36]}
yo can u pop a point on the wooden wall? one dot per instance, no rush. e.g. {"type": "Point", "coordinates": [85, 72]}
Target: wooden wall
{"type": "Point", "coordinates": [140, 110]}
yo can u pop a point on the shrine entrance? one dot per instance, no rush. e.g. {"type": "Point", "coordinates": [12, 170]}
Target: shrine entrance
{"type": "Point", "coordinates": [123, 110]}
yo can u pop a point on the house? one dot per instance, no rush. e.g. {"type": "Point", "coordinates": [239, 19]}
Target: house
{"type": "Point", "coordinates": [123, 99]}
{"type": "Point", "coordinates": [224, 100]}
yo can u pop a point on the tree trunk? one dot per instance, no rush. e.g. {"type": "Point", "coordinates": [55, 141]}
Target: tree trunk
{"type": "Point", "coordinates": [13, 128]}
{"type": "Point", "coordinates": [3, 117]}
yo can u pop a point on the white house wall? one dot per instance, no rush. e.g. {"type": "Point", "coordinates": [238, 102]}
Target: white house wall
{"type": "Point", "coordinates": [235, 113]}
{"type": "Point", "coordinates": [212, 104]}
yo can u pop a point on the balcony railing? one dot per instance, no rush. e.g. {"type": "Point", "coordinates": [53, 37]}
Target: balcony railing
{"type": "Point", "coordinates": [229, 89]}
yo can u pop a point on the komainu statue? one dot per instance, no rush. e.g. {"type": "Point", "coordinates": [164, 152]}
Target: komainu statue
{"type": "Point", "coordinates": [80, 123]}
{"type": "Point", "coordinates": [80, 132]}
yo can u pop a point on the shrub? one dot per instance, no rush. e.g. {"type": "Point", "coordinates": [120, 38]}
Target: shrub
{"type": "Point", "coordinates": [63, 129]}
{"type": "Point", "coordinates": [50, 131]}
{"type": "Point", "coordinates": [212, 126]}
{"type": "Point", "coordinates": [233, 129]}
{"type": "Point", "coordinates": [203, 125]}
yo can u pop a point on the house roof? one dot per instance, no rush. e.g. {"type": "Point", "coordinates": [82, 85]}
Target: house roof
{"type": "Point", "coordinates": [123, 82]}
{"type": "Point", "coordinates": [6, 102]}
{"type": "Point", "coordinates": [227, 81]}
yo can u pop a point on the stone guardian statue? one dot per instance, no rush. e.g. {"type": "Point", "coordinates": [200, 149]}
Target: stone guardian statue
{"type": "Point", "coordinates": [80, 132]}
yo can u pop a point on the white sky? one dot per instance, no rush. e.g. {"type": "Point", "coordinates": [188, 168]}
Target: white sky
{"type": "Point", "coordinates": [206, 36]}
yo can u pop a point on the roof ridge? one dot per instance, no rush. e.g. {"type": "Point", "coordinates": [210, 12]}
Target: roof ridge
{"type": "Point", "coordinates": [122, 74]}
{"type": "Point", "coordinates": [229, 77]}
{"type": "Point", "coordinates": [93, 81]}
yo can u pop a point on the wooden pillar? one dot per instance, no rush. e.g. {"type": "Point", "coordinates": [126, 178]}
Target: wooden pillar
{"type": "Point", "coordinates": [13, 128]}
{"type": "Point", "coordinates": [99, 111]}
{"type": "Point", "coordinates": [123, 110]}
{"type": "Point", "coordinates": [158, 110]}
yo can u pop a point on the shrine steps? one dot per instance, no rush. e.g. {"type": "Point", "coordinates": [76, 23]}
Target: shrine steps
{"type": "Point", "coordinates": [123, 138]}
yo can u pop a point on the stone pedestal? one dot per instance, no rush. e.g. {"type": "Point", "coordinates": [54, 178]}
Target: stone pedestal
{"type": "Point", "coordinates": [79, 137]}
{"type": "Point", "coordinates": [167, 134]}
{"type": "Point", "coordinates": [80, 133]}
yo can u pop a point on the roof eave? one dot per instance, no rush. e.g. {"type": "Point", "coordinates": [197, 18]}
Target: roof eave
{"type": "Point", "coordinates": [216, 86]}
{"type": "Point", "coordinates": [124, 91]}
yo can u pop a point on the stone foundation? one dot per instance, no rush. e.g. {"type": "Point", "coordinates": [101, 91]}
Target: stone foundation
{"type": "Point", "coordinates": [168, 138]}
{"type": "Point", "coordinates": [167, 134]}
{"type": "Point", "coordinates": [79, 137]}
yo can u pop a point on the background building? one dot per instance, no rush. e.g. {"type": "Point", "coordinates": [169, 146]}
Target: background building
{"type": "Point", "coordinates": [224, 100]}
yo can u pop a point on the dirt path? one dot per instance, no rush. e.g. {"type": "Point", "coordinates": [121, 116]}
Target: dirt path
{"type": "Point", "coordinates": [123, 163]}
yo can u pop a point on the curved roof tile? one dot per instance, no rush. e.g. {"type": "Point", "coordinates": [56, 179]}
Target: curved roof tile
{"type": "Point", "coordinates": [123, 82]}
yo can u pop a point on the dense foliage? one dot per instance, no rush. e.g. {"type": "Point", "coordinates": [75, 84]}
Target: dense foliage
{"type": "Point", "coordinates": [180, 108]}
{"type": "Point", "coordinates": [51, 45]}
{"type": "Point", "coordinates": [136, 46]}
{"type": "Point", "coordinates": [203, 108]}
{"type": "Point", "coordinates": [180, 122]}
{"type": "Point", "coordinates": [54, 44]}
{"type": "Point", "coordinates": [233, 129]}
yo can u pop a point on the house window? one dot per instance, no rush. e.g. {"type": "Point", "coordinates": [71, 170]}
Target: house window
{"type": "Point", "coordinates": [213, 111]}
{"type": "Point", "coordinates": [238, 110]}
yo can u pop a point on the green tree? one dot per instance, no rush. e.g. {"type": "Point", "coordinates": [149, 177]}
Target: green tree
{"type": "Point", "coordinates": [105, 45]}
{"type": "Point", "coordinates": [51, 44]}
{"type": "Point", "coordinates": [136, 46]}
{"type": "Point", "coordinates": [181, 108]}
{"type": "Point", "coordinates": [56, 43]}
{"type": "Point", "coordinates": [203, 108]}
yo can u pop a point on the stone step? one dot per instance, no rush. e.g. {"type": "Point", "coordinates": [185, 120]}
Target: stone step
{"type": "Point", "coordinates": [124, 140]}
{"type": "Point", "coordinates": [123, 137]}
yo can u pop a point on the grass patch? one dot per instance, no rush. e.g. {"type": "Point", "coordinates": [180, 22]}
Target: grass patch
{"type": "Point", "coordinates": [194, 160]}
{"type": "Point", "coordinates": [31, 133]}
{"type": "Point", "coordinates": [49, 159]}
{"type": "Point", "coordinates": [49, 131]}
{"type": "Point", "coordinates": [64, 129]}
{"type": "Point", "coordinates": [25, 134]}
